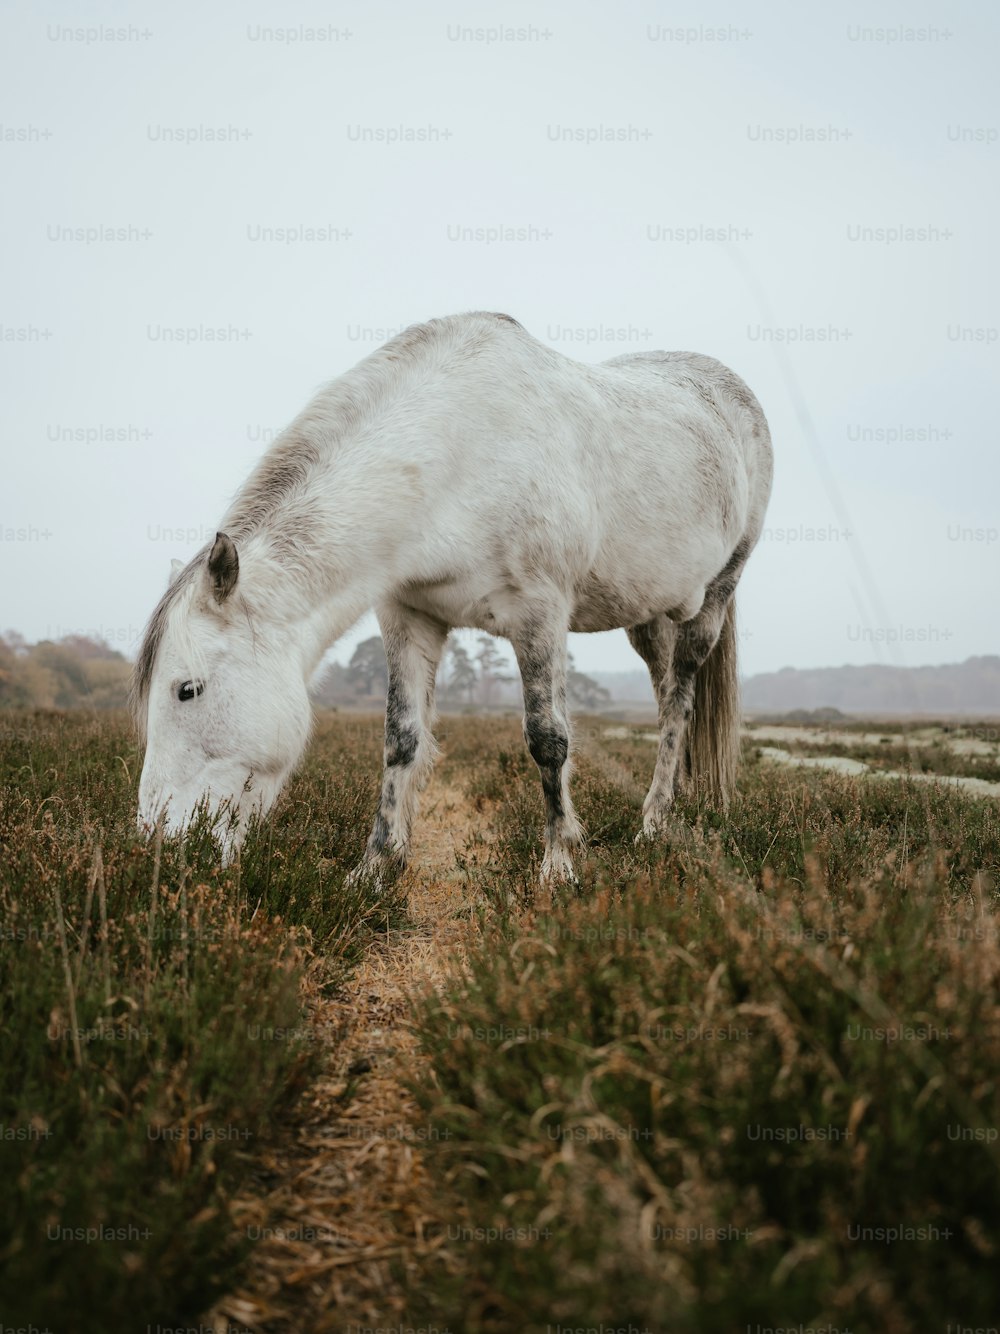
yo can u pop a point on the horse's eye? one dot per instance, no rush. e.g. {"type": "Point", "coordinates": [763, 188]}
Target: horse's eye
{"type": "Point", "coordinates": [189, 689]}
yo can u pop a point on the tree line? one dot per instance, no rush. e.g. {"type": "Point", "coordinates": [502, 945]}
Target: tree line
{"type": "Point", "coordinates": [68, 673]}
{"type": "Point", "coordinates": [82, 672]}
{"type": "Point", "coordinates": [482, 676]}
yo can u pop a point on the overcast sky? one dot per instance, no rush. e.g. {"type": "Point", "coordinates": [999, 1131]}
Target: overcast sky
{"type": "Point", "coordinates": [310, 178]}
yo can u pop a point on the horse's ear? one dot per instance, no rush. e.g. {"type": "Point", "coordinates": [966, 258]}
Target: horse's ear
{"type": "Point", "coordinates": [223, 567]}
{"type": "Point", "coordinates": [175, 568]}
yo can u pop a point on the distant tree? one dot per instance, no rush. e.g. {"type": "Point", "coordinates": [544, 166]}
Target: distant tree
{"type": "Point", "coordinates": [331, 686]}
{"type": "Point", "coordinates": [30, 686]}
{"type": "Point", "coordinates": [16, 642]}
{"type": "Point", "coordinates": [85, 647]}
{"type": "Point", "coordinates": [461, 674]}
{"type": "Point", "coordinates": [107, 681]}
{"type": "Point", "coordinates": [68, 670]}
{"type": "Point", "coordinates": [368, 667]}
{"type": "Point", "coordinates": [14, 692]}
{"type": "Point", "coordinates": [583, 690]}
{"type": "Point", "coordinates": [491, 664]}
{"type": "Point", "coordinates": [65, 674]}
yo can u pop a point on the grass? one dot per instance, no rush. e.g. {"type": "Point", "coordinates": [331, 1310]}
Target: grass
{"type": "Point", "coordinates": [746, 1078]}
{"type": "Point", "coordinates": [151, 1019]}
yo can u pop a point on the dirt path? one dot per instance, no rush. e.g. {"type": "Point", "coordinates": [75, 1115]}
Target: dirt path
{"type": "Point", "coordinates": [346, 1186]}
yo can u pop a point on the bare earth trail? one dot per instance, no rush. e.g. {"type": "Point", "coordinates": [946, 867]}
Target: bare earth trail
{"type": "Point", "coordinates": [345, 1188]}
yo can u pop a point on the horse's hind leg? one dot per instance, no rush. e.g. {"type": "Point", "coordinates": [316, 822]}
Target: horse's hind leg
{"type": "Point", "coordinates": [413, 644]}
{"type": "Point", "coordinates": [541, 657]}
{"type": "Point", "coordinates": [674, 654]}
{"type": "Point", "coordinates": [654, 642]}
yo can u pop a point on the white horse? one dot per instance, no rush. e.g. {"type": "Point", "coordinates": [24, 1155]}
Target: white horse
{"type": "Point", "coordinates": [464, 475]}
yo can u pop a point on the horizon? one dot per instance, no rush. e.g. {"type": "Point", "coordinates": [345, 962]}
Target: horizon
{"type": "Point", "coordinates": [964, 694]}
{"type": "Point", "coordinates": [466, 635]}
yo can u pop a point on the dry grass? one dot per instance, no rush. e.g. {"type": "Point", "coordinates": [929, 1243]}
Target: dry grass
{"type": "Point", "coordinates": [411, 1166]}
{"type": "Point", "coordinates": [610, 1159]}
{"type": "Point", "coordinates": [350, 1189]}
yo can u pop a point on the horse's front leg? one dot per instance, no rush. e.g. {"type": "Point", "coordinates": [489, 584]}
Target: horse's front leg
{"type": "Point", "coordinates": [541, 656]}
{"type": "Point", "coordinates": [413, 644]}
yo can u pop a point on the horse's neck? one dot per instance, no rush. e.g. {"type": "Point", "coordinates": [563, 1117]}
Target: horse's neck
{"type": "Point", "coordinates": [298, 612]}
{"type": "Point", "coordinates": [316, 564]}
{"type": "Point", "coordinates": [343, 515]}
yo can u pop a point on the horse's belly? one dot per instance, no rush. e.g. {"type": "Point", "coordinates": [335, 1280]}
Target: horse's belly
{"type": "Point", "coordinates": [446, 600]}
{"type": "Point", "coordinates": [602, 604]}
{"type": "Point", "coordinates": [492, 605]}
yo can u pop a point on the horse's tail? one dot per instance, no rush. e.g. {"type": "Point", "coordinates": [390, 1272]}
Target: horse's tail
{"type": "Point", "coordinates": [713, 734]}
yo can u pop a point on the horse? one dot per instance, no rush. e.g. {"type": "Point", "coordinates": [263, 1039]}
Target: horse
{"type": "Point", "coordinates": [464, 475]}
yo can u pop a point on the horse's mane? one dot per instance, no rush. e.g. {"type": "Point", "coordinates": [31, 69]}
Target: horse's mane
{"type": "Point", "coordinates": [336, 413]}
{"type": "Point", "coordinates": [340, 410]}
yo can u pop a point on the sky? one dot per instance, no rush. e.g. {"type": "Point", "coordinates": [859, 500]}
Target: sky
{"type": "Point", "coordinates": [808, 193]}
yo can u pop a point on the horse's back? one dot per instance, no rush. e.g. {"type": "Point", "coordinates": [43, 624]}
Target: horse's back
{"type": "Point", "coordinates": [714, 381]}
{"type": "Point", "coordinates": [714, 404]}
{"type": "Point", "coordinates": [646, 449]}
{"type": "Point", "coordinates": [627, 485]}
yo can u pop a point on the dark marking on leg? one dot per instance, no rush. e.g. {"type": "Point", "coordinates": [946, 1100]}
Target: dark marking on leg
{"type": "Point", "coordinates": [400, 745]}
{"type": "Point", "coordinates": [541, 656]}
{"type": "Point", "coordinates": [547, 742]}
{"type": "Point", "coordinates": [402, 737]}
{"type": "Point", "coordinates": [379, 840]}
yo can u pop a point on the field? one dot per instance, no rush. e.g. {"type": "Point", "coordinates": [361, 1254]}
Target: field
{"type": "Point", "coordinates": [746, 1078]}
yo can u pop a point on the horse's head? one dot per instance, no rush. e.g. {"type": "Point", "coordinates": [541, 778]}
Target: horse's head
{"type": "Point", "coordinates": [225, 706]}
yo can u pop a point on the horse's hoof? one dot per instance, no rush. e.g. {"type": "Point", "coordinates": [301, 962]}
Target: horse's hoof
{"type": "Point", "coordinates": [652, 831]}
{"type": "Point", "coordinates": [375, 873]}
{"type": "Point", "coordinates": [666, 828]}
{"type": "Point", "coordinates": [363, 874]}
{"type": "Point", "coordinates": [558, 869]}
